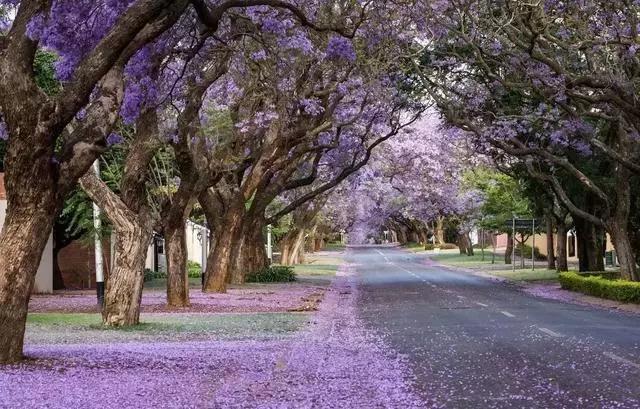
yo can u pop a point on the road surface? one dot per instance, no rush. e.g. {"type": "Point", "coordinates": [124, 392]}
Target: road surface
{"type": "Point", "coordinates": [472, 342]}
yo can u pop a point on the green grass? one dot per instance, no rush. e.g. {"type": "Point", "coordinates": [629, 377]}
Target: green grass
{"type": "Point", "coordinates": [57, 328]}
{"type": "Point", "coordinates": [527, 275]}
{"type": "Point", "coordinates": [414, 247]}
{"type": "Point", "coordinates": [454, 258]}
{"type": "Point", "coordinates": [334, 247]}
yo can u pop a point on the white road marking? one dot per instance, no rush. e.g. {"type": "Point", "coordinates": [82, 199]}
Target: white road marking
{"type": "Point", "coordinates": [481, 304]}
{"type": "Point", "coordinates": [550, 332]}
{"type": "Point", "coordinates": [508, 314]}
{"type": "Point", "coordinates": [621, 359]}
{"type": "Point", "coordinates": [461, 296]}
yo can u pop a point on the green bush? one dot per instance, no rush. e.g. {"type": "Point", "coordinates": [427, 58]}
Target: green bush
{"type": "Point", "coordinates": [527, 252]}
{"type": "Point", "coordinates": [194, 270]}
{"type": "Point", "coordinates": [428, 246]}
{"type": "Point", "coordinates": [273, 274]}
{"type": "Point", "coordinates": [153, 275]}
{"type": "Point", "coordinates": [448, 246]}
{"type": "Point", "coordinates": [599, 286]}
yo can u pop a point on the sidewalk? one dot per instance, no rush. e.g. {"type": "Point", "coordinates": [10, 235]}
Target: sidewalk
{"type": "Point", "coordinates": [325, 359]}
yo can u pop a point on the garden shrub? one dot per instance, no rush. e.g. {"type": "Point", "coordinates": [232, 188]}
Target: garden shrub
{"type": "Point", "coordinates": [448, 246]}
{"type": "Point", "coordinates": [527, 252]}
{"type": "Point", "coordinates": [599, 286]}
{"type": "Point", "coordinates": [194, 270]}
{"type": "Point", "coordinates": [272, 274]}
{"type": "Point", "coordinates": [154, 275]}
{"type": "Point", "coordinates": [428, 246]}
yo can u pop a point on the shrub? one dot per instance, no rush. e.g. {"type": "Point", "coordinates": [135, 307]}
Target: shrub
{"type": "Point", "coordinates": [273, 274]}
{"type": "Point", "coordinates": [448, 246]}
{"type": "Point", "coordinates": [599, 286]}
{"type": "Point", "coordinates": [153, 275]}
{"type": "Point", "coordinates": [194, 270]}
{"type": "Point", "coordinates": [428, 246]}
{"type": "Point", "coordinates": [527, 252]}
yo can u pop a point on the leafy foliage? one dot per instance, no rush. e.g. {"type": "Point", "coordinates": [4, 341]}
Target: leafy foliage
{"type": "Point", "coordinates": [194, 270]}
{"type": "Point", "coordinates": [273, 274]}
{"type": "Point", "coordinates": [599, 286]}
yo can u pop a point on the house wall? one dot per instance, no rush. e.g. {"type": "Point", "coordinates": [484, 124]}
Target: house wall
{"type": "Point", "coordinates": [78, 265]}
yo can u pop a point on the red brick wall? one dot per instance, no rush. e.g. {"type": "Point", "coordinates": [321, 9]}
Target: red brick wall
{"type": "Point", "coordinates": [77, 264]}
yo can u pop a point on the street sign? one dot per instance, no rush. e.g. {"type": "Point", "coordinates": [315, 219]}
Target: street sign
{"type": "Point", "coordinates": [522, 224]}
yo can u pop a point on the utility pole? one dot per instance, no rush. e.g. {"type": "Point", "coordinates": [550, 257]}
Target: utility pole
{"type": "Point", "coordinates": [269, 244]}
{"type": "Point", "coordinates": [533, 246]}
{"type": "Point", "coordinates": [513, 245]}
{"type": "Point", "coordinates": [97, 242]}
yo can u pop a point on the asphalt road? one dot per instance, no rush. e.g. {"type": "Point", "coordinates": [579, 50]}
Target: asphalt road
{"type": "Point", "coordinates": [472, 342]}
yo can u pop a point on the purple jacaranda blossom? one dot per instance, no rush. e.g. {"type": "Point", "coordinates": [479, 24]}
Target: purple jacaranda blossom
{"type": "Point", "coordinates": [340, 48]}
{"type": "Point", "coordinates": [114, 139]}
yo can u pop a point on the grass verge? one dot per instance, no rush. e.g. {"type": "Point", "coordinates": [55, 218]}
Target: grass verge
{"type": "Point", "coordinates": [56, 328]}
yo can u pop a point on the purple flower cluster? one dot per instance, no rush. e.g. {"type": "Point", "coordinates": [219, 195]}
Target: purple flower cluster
{"type": "Point", "coordinates": [340, 48]}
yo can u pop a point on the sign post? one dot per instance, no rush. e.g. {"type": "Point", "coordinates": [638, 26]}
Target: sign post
{"type": "Point", "coordinates": [269, 244]}
{"type": "Point", "coordinates": [513, 245]}
{"type": "Point", "coordinates": [97, 243]}
{"type": "Point", "coordinates": [533, 246]}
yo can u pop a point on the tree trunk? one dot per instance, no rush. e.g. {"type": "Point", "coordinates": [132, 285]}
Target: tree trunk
{"type": "Point", "coordinates": [590, 246]}
{"type": "Point", "coordinates": [23, 239]}
{"type": "Point", "coordinates": [551, 259]}
{"type": "Point", "coordinates": [561, 247]}
{"type": "Point", "coordinates": [469, 244]}
{"type": "Point", "coordinates": [439, 231]}
{"type": "Point", "coordinates": [624, 251]}
{"type": "Point", "coordinates": [177, 279]}
{"type": "Point", "coordinates": [219, 266]}
{"type": "Point", "coordinates": [123, 293]}
{"type": "Point", "coordinates": [291, 247]}
{"type": "Point", "coordinates": [509, 251]}
{"type": "Point", "coordinates": [402, 237]}
{"type": "Point", "coordinates": [251, 257]}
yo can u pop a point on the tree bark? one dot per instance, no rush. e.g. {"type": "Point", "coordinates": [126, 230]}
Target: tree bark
{"type": "Point", "coordinates": [22, 241]}
{"type": "Point", "coordinates": [177, 280]}
{"type": "Point", "coordinates": [551, 259]}
{"type": "Point", "coordinates": [133, 234]}
{"type": "Point", "coordinates": [218, 267]}
{"type": "Point", "coordinates": [590, 246]}
{"type": "Point", "coordinates": [291, 247]}
{"type": "Point", "coordinates": [123, 292]}
{"type": "Point", "coordinates": [624, 251]}
{"type": "Point", "coordinates": [561, 247]}
{"type": "Point", "coordinates": [509, 250]}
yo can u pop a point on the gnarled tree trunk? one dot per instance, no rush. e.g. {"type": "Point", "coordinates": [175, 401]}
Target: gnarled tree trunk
{"type": "Point", "coordinates": [22, 241]}
{"type": "Point", "coordinates": [133, 234]}
{"type": "Point", "coordinates": [561, 247]}
{"type": "Point", "coordinates": [123, 292]}
{"type": "Point", "coordinates": [508, 253]}
{"type": "Point", "coordinates": [551, 258]}
{"type": "Point", "coordinates": [624, 250]}
{"type": "Point", "coordinates": [219, 265]}
{"type": "Point", "coordinates": [177, 280]}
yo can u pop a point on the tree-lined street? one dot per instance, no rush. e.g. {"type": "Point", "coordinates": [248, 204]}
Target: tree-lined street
{"type": "Point", "coordinates": [319, 203]}
{"type": "Point", "coordinates": [473, 342]}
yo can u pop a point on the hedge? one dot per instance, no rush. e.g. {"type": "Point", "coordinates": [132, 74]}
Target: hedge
{"type": "Point", "coordinates": [272, 274]}
{"type": "Point", "coordinates": [598, 286]}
